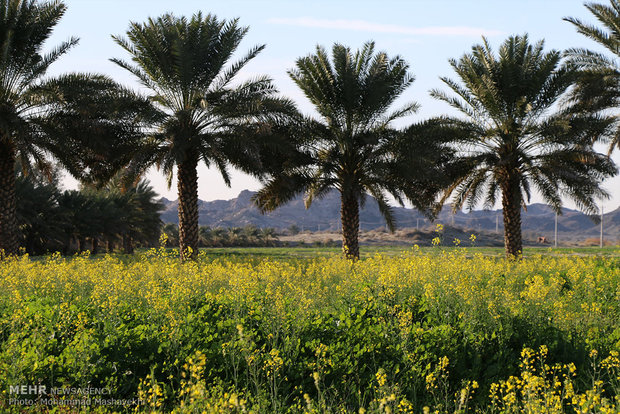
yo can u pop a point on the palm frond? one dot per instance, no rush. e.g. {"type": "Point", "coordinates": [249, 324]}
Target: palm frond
{"type": "Point", "coordinates": [530, 123]}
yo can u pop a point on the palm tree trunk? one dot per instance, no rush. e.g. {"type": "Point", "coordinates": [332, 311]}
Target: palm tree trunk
{"type": "Point", "coordinates": [8, 207]}
{"type": "Point", "coordinates": [188, 206]}
{"type": "Point", "coordinates": [511, 204]}
{"type": "Point", "coordinates": [350, 217]}
{"type": "Point", "coordinates": [127, 244]}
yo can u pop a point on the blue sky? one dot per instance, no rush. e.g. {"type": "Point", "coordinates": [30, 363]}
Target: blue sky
{"type": "Point", "coordinates": [426, 33]}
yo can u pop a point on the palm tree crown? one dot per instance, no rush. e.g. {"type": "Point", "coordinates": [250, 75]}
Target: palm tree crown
{"type": "Point", "coordinates": [352, 146]}
{"type": "Point", "coordinates": [599, 85]}
{"type": "Point", "coordinates": [184, 64]}
{"type": "Point", "coordinates": [514, 138]}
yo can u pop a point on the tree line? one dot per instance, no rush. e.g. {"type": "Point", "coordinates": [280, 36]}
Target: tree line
{"type": "Point", "coordinates": [98, 220]}
{"type": "Point", "coordinates": [247, 236]}
{"type": "Point", "coordinates": [529, 119]}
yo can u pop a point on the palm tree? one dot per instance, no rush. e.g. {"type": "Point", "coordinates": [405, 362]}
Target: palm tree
{"type": "Point", "coordinates": [183, 63]}
{"type": "Point", "coordinates": [72, 117]}
{"type": "Point", "coordinates": [599, 86]}
{"type": "Point", "coordinates": [353, 146]}
{"type": "Point", "coordinates": [206, 236]}
{"type": "Point", "coordinates": [24, 26]}
{"type": "Point", "coordinates": [515, 138]}
{"type": "Point", "coordinates": [76, 210]}
{"type": "Point", "coordinates": [143, 224]}
{"type": "Point", "coordinates": [38, 216]}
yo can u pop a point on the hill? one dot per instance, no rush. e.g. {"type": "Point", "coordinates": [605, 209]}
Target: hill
{"type": "Point", "coordinates": [324, 215]}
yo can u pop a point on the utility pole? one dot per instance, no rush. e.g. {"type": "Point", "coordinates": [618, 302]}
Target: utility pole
{"type": "Point", "coordinates": [497, 224]}
{"type": "Point", "coordinates": [601, 227]}
{"type": "Point", "coordinates": [555, 237]}
{"type": "Point", "coordinates": [417, 224]}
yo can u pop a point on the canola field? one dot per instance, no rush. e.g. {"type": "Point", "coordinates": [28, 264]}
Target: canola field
{"type": "Point", "coordinates": [453, 331]}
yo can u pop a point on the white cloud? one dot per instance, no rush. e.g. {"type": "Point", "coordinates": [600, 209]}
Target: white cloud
{"type": "Point", "coordinates": [364, 26]}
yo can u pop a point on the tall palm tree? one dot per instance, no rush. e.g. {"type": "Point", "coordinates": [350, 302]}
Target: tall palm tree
{"type": "Point", "coordinates": [515, 139]}
{"type": "Point", "coordinates": [352, 147]}
{"type": "Point", "coordinates": [599, 86]}
{"type": "Point", "coordinates": [71, 117]}
{"type": "Point", "coordinates": [183, 63]}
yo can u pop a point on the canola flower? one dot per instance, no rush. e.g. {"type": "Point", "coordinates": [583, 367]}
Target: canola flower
{"type": "Point", "coordinates": [385, 334]}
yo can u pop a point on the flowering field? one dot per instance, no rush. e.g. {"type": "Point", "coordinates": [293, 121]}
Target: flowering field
{"type": "Point", "coordinates": [413, 332]}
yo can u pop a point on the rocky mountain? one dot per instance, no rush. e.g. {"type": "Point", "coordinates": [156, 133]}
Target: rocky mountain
{"type": "Point", "coordinates": [324, 215]}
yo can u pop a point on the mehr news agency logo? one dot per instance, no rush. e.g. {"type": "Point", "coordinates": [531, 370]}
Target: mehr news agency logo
{"type": "Point", "coordinates": [31, 395]}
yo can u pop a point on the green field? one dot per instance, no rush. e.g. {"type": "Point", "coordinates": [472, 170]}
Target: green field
{"type": "Point", "coordinates": [301, 330]}
{"type": "Point", "coordinates": [369, 251]}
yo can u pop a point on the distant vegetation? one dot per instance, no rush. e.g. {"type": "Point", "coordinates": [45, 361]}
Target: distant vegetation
{"type": "Point", "coordinates": [98, 220]}
{"type": "Point", "coordinates": [248, 236]}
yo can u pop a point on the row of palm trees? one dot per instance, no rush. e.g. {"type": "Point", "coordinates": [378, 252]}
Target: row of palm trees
{"type": "Point", "coordinates": [98, 220]}
{"type": "Point", "coordinates": [247, 236]}
{"type": "Point", "coordinates": [529, 121]}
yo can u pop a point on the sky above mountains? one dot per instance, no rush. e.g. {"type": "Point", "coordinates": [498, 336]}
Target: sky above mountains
{"type": "Point", "coordinates": [425, 32]}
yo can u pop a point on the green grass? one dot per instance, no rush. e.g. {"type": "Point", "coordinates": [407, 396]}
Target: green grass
{"type": "Point", "coordinates": [278, 253]}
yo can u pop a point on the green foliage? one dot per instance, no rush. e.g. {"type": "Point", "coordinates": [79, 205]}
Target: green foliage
{"type": "Point", "coordinates": [598, 89]}
{"type": "Point", "coordinates": [42, 113]}
{"type": "Point", "coordinates": [202, 115]}
{"type": "Point", "coordinates": [308, 334]}
{"type": "Point", "coordinates": [53, 220]}
{"type": "Point", "coordinates": [248, 236]}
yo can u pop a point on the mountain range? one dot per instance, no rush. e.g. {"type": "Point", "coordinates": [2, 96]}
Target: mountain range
{"type": "Point", "coordinates": [324, 214]}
